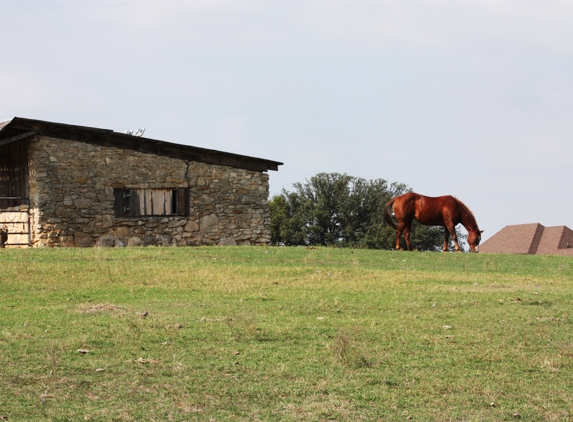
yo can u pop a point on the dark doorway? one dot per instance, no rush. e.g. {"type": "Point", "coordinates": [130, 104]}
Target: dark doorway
{"type": "Point", "coordinates": [14, 174]}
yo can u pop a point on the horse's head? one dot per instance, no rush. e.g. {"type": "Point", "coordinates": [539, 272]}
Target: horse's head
{"type": "Point", "coordinates": [474, 238]}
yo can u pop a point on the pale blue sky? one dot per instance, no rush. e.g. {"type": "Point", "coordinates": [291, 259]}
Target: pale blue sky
{"type": "Point", "coordinates": [470, 98]}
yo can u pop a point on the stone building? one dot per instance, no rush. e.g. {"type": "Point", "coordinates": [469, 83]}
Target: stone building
{"type": "Point", "coordinates": [531, 239]}
{"type": "Point", "coordinates": [64, 185]}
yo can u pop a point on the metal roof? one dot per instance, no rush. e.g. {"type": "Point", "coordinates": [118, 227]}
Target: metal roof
{"type": "Point", "coordinates": [20, 128]}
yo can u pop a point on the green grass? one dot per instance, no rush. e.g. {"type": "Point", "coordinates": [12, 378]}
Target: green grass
{"type": "Point", "coordinates": [284, 334]}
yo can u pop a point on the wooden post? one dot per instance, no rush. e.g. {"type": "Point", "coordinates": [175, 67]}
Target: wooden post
{"type": "Point", "coordinates": [3, 236]}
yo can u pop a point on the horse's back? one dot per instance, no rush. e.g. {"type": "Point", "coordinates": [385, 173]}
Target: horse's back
{"type": "Point", "coordinates": [423, 201]}
{"type": "Point", "coordinates": [428, 210]}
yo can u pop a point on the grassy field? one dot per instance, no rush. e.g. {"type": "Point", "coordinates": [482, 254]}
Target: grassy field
{"type": "Point", "coordinates": [281, 334]}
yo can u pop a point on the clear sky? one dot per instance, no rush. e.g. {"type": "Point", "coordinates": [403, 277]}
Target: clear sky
{"type": "Point", "coordinates": [469, 98]}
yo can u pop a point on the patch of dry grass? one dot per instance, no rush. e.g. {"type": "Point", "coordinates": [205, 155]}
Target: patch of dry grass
{"type": "Point", "coordinates": [88, 308]}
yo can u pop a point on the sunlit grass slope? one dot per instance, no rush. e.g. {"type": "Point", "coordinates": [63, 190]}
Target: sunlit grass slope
{"type": "Point", "coordinates": [284, 334]}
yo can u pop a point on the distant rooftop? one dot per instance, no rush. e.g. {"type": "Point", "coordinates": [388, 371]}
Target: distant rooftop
{"type": "Point", "coordinates": [532, 239]}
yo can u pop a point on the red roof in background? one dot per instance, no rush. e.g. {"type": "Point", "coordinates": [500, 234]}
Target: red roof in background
{"type": "Point", "coordinates": [532, 239]}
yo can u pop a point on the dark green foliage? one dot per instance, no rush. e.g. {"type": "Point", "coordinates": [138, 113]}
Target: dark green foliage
{"type": "Point", "coordinates": [333, 209]}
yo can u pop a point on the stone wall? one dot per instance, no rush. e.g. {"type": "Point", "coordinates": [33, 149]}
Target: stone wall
{"type": "Point", "coordinates": [72, 198]}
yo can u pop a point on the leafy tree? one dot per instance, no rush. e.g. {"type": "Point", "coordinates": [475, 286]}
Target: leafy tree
{"type": "Point", "coordinates": [333, 209]}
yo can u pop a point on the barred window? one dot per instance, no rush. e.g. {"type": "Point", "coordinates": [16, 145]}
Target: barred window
{"type": "Point", "coordinates": [151, 202]}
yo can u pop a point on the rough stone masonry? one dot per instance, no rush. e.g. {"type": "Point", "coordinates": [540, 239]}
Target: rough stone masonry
{"type": "Point", "coordinates": [72, 198]}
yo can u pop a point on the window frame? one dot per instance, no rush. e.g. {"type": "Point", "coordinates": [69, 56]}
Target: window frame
{"type": "Point", "coordinates": [134, 202]}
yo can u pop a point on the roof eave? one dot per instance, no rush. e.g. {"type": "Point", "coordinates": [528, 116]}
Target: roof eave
{"type": "Point", "coordinates": [105, 137]}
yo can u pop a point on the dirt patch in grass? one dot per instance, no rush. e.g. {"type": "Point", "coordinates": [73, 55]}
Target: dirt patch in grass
{"type": "Point", "coordinates": [90, 308]}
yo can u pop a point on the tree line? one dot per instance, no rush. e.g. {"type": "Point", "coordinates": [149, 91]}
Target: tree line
{"type": "Point", "coordinates": [333, 209]}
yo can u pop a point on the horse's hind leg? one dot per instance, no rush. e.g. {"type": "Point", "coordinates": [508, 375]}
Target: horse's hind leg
{"type": "Point", "coordinates": [407, 236]}
{"type": "Point", "coordinates": [399, 229]}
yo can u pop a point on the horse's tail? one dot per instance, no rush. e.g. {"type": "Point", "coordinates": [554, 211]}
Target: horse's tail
{"type": "Point", "coordinates": [388, 213]}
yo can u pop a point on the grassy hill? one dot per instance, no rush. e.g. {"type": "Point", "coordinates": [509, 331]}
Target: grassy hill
{"type": "Point", "coordinates": [244, 334]}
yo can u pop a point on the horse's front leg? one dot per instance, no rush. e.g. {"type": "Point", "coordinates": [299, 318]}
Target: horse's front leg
{"type": "Point", "coordinates": [452, 230]}
{"type": "Point", "coordinates": [446, 238]}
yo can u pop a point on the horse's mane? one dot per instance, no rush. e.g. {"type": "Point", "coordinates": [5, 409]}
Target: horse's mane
{"type": "Point", "coordinates": [466, 209]}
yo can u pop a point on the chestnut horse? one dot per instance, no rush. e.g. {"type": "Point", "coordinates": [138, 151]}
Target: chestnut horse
{"type": "Point", "coordinates": [445, 211]}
